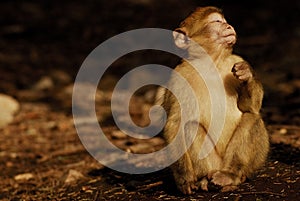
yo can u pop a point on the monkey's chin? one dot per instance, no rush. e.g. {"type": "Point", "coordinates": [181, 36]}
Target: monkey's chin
{"type": "Point", "coordinates": [230, 39]}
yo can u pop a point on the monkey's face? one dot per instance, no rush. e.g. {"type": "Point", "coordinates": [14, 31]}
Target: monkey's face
{"type": "Point", "coordinates": [210, 31]}
{"type": "Point", "coordinates": [217, 30]}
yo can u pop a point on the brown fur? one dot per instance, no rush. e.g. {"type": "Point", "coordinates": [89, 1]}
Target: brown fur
{"type": "Point", "coordinates": [243, 145]}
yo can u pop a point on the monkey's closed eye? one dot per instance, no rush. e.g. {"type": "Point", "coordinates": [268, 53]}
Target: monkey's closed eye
{"type": "Point", "coordinates": [215, 21]}
{"type": "Point", "coordinates": [219, 21]}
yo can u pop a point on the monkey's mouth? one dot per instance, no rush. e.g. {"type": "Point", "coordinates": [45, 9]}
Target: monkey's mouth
{"type": "Point", "coordinates": [231, 34]}
{"type": "Point", "coordinates": [230, 38]}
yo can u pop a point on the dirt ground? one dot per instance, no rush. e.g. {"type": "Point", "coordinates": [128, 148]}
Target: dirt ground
{"type": "Point", "coordinates": [43, 44]}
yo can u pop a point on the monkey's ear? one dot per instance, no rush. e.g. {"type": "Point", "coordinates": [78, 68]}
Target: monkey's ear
{"type": "Point", "coordinates": [181, 39]}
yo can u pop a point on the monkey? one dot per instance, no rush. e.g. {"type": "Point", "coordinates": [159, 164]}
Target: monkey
{"type": "Point", "coordinates": [243, 146]}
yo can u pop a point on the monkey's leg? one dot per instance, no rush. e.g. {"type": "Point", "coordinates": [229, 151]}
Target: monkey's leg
{"type": "Point", "coordinates": [184, 175]}
{"type": "Point", "coordinates": [202, 167]}
{"type": "Point", "coordinates": [189, 168]}
{"type": "Point", "coordinates": [245, 153]}
{"type": "Point", "coordinates": [183, 169]}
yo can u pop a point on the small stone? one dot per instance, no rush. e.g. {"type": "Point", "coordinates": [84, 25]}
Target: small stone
{"type": "Point", "coordinates": [283, 131]}
{"type": "Point", "coordinates": [45, 83]}
{"type": "Point", "coordinates": [8, 107]}
{"type": "Point", "coordinates": [142, 148]}
{"type": "Point", "coordinates": [155, 141]}
{"type": "Point", "coordinates": [25, 176]}
{"type": "Point", "coordinates": [120, 143]}
{"type": "Point", "coordinates": [118, 135]}
{"type": "Point", "coordinates": [9, 103]}
{"type": "Point", "coordinates": [61, 77]}
{"type": "Point", "coordinates": [9, 164]}
{"type": "Point", "coordinates": [73, 176]}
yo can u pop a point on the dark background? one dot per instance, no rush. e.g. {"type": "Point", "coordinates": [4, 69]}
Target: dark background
{"type": "Point", "coordinates": [40, 36]}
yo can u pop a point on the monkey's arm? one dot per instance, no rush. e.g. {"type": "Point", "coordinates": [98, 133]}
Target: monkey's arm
{"type": "Point", "coordinates": [250, 91]}
{"type": "Point", "coordinates": [182, 169]}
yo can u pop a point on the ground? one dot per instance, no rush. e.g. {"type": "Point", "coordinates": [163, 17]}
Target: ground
{"type": "Point", "coordinates": [44, 44]}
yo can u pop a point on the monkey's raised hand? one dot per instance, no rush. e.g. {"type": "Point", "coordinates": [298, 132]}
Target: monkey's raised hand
{"type": "Point", "coordinates": [242, 71]}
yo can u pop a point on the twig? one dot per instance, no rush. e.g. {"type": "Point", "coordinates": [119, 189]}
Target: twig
{"type": "Point", "coordinates": [96, 198]}
{"type": "Point", "coordinates": [63, 152]}
{"type": "Point", "coordinates": [148, 186]}
{"type": "Point", "coordinates": [264, 192]}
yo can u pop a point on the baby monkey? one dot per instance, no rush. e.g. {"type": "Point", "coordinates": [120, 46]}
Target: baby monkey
{"type": "Point", "coordinates": [244, 143]}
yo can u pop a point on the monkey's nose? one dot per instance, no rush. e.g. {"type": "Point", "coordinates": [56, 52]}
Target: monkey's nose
{"type": "Point", "coordinates": [229, 26]}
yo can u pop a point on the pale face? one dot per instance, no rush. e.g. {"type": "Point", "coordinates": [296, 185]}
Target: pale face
{"type": "Point", "coordinates": [216, 17]}
{"type": "Point", "coordinates": [220, 30]}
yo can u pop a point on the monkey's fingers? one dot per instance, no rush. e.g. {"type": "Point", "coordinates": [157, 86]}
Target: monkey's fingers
{"type": "Point", "coordinates": [186, 189]}
{"type": "Point", "coordinates": [233, 70]}
{"type": "Point", "coordinates": [245, 77]}
{"type": "Point", "coordinates": [243, 65]}
{"type": "Point", "coordinates": [242, 72]}
{"type": "Point", "coordinates": [203, 184]}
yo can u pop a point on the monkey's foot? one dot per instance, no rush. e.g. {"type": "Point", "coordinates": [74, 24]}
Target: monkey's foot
{"type": "Point", "coordinates": [186, 186]}
{"type": "Point", "coordinates": [225, 180]}
{"type": "Point", "coordinates": [203, 184]}
{"type": "Point", "coordinates": [222, 179]}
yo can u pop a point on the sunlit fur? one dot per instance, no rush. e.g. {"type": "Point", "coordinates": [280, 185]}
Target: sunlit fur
{"type": "Point", "coordinates": [243, 145]}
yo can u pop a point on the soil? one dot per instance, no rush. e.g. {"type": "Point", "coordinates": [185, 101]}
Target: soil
{"type": "Point", "coordinates": [43, 44]}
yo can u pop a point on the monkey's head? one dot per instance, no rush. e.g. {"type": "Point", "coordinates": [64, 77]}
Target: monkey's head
{"type": "Point", "coordinates": [207, 27]}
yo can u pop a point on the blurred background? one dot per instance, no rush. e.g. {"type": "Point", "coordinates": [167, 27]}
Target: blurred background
{"type": "Point", "coordinates": [41, 38]}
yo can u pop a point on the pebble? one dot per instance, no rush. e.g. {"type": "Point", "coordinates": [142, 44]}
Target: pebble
{"type": "Point", "coordinates": [25, 176]}
{"type": "Point", "coordinates": [118, 135]}
{"type": "Point", "coordinates": [61, 77]}
{"type": "Point", "coordinates": [283, 131]}
{"type": "Point", "coordinates": [45, 83]}
{"type": "Point", "coordinates": [8, 107]}
{"type": "Point", "coordinates": [73, 176]}
{"type": "Point", "coordinates": [155, 141]}
{"type": "Point", "coordinates": [142, 148]}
